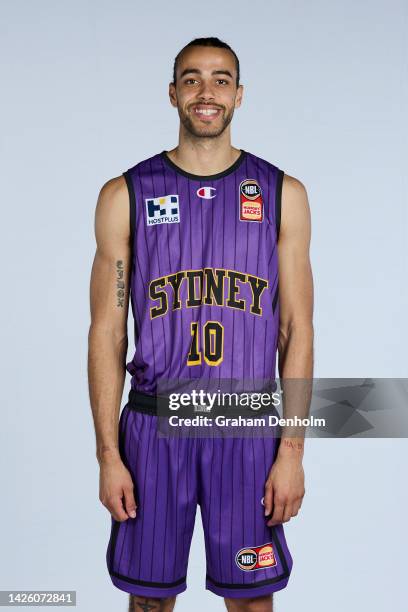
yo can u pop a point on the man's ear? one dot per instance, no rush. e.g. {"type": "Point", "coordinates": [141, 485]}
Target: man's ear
{"type": "Point", "coordinates": [172, 94]}
{"type": "Point", "coordinates": [238, 97]}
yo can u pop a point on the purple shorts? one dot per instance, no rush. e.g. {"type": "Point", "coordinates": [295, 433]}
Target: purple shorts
{"type": "Point", "coordinates": [225, 476]}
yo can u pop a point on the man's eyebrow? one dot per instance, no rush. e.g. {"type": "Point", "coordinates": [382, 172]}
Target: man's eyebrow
{"type": "Point", "coordinates": [222, 72]}
{"type": "Point", "coordinates": [197, 71]}
{"type": "Point", "coordinates": [190, 71]}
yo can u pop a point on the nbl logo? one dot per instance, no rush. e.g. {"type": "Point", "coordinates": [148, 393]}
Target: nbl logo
{"type": "Point", "coordinates": [250, 201]}
{"type": "Point", "coordinates": [251, 189]}
{"type": "Point", "coordinates": [246, 559]}
{"type": "Point", "coordinates": [255, 558]}
{"type": "Point", "coordinates": [162, 210]}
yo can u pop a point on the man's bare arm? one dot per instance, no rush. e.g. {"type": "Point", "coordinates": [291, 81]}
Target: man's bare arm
{"type": "Point", "coordinates": [107, 347]}
{"type": "Point", "coordinates": [295, 342]}
{"type": "Point", "coordinates": [284, 489]}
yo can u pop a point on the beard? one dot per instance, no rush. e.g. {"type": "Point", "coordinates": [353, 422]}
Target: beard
{"type": "Point", "coordinates": [203, 130]}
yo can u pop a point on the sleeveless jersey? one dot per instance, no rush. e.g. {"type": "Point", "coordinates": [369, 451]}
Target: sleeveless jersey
{"type": "Point", "coordinates": [204, 271]}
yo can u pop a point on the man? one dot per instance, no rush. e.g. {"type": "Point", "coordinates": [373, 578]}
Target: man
{"type": "Point", "coordinates": [209, 228]}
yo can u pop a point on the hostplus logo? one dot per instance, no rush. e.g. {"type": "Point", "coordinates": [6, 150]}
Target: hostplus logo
{"type": "Point", "coordinates": [164, 209]}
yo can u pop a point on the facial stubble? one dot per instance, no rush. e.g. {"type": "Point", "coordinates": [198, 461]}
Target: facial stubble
{"type": "Point", "coordinates": [189, 125]}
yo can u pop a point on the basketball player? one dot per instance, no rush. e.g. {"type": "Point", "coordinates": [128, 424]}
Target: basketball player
{"type": "Point", "coordinates": [197, 237]}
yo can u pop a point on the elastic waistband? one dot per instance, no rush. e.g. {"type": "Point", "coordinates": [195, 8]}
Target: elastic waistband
{"type": "Point", "coordinates": [143, 402]}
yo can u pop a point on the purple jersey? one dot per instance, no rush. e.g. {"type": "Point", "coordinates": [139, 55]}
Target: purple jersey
{"type": "Point", "coordinates": [204, 295]}
{"type": "Point", "coordinates": [204, 279]}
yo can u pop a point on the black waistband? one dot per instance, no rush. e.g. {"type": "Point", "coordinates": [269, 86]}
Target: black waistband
{"type": "Point", "coordinates": [142, 402]}
{"type": "Point", "coordinates": [148, 404]}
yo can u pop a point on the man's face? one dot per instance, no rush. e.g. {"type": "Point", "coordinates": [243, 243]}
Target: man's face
{"type": "Point", "coordinates": [206, 94]}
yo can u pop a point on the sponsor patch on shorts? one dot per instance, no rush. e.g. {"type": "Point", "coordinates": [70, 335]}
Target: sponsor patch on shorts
{"type": "Point", "coordinates": [255, 557]}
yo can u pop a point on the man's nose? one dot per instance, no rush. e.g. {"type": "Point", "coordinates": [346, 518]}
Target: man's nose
{"type": "Point", "coordinates": [206, 91]}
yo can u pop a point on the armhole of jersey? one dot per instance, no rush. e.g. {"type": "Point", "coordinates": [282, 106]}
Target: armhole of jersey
{"type": "Point", "coordinates": [278, 201]}
{"type": "Point", "coordinates": [132, 207]}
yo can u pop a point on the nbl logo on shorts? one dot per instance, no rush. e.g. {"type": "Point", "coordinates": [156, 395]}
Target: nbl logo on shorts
{"type": "Point", "coordinates": [246, 559]}
{"type": "Point", "coordinates": [162, 210]}
{"type": "Point", "coordinates": [258, 557]}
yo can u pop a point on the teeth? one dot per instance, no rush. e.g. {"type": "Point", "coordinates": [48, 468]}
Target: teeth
{"type": "Point", "coordinates": [206, 111]}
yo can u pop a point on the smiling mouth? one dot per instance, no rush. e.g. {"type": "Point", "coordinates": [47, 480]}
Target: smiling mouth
{"type": "Point", "coordinates": [206, 112]}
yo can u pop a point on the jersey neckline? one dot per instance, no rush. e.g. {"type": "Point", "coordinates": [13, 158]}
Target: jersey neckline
{"type": "Point", "coordinates": [204, 177]}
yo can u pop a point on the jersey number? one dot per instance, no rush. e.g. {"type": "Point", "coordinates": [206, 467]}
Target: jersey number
{"type": "Point", "coordinates": [213, 341]}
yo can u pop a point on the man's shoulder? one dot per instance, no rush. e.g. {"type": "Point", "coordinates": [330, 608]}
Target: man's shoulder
{"type": "Point", "coordinates": [113, 202]}
{"type": "Point", "coordinates": [113, 189]}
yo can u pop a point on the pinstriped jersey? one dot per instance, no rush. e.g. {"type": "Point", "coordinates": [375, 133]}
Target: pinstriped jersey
{"type": "Point", "coordinates": [204, 273]}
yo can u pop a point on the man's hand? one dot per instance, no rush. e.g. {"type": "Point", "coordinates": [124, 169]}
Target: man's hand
{"type": "Point", "coordinates": [116, 489]}
{"type": "Point", "coordinates": [284, 489]}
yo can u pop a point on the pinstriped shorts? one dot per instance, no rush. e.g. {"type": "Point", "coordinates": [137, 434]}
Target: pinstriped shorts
{"type": "Point", "coordinates": [225, 476]}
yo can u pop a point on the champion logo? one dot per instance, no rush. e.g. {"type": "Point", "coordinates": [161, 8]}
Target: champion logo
{"type": "Point", "coordinates": [208, 193]}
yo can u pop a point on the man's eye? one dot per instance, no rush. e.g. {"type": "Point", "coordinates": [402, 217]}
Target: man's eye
{"type": "Point", "coordinates": [222, 81]}
{"type": "Point", "coordinates": [188, 81]}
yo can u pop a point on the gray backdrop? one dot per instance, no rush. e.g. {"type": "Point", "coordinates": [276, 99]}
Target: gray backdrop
{"type": "Point", "coordinates": [84, 97]}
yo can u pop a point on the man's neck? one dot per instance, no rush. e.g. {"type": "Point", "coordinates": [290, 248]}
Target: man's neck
{"type": "Point", "coordinates": [204, 156]}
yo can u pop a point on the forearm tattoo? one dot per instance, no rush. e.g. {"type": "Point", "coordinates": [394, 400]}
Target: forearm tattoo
{"type": "Point", "coordinates": [293, 444]}
{"type": "Point", "coordinates": [120, 284]}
